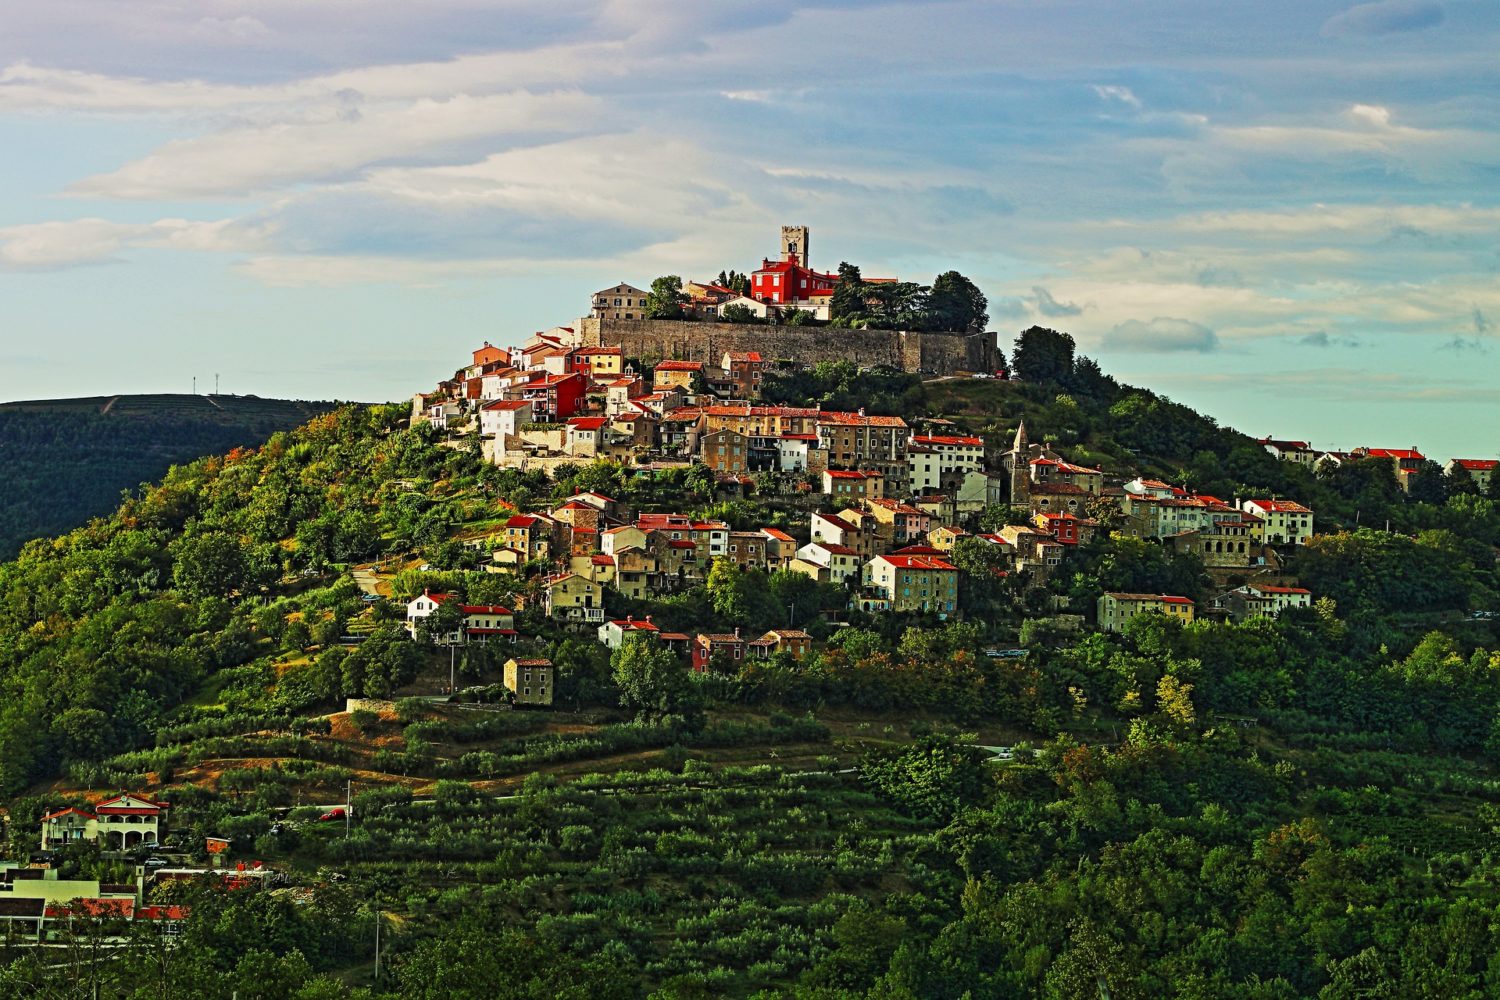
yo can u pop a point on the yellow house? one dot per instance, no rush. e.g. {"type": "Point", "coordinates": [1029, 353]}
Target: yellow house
{"type": "Point", "coordinates": [1285, 522]}
{"type": "Point", "coordinates": [1117, 609]}
{"type": "Point", "coordinates": [676, 374]}
{"type": "Point", "coordinates": [574, 598]}
{"type": "Point", "coordinates": [945, 537]}
{"type": "Point", "coordinates": [602, 362]}
{"type": "Point", "coordinates": [531, 681]}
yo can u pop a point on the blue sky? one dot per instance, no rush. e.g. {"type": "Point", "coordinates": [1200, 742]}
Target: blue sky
{"type": "Point", "coordinates": [1283, 213]}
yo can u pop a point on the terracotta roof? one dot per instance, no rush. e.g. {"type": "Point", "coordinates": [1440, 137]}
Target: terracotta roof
{"type": "Point", "coordinates": [1267, 589]}
{"type": "Point", "coordinates": [1476, 464]}
{"type": "Point", "coordinates": [537, 662]}
{"type": "Point", "coordinates": [1281, 506]}
{"type": "Point", "coordinates": [507, 404]}
{"type": "Point", "coordinates": [952, 440]}
{"type": "Point", "coordinates": [485, 609]}
{"type": "Point", "coordinates": [918, 562]}
{"type": "Point", "coordinates": [778, 534]}
{"type": "Point", "coordinates": [679, 366]}
{"type": "Point", "coordinates": [1153, 598]}
{"type": "Point", "coordinates": [1402, 454]}
{"type": "Point", "coordinates": [588, 423]}
{"type": "Point", "coordinates": [858, 419]}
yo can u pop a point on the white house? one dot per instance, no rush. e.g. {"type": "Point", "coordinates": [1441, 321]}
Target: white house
{"type": "Point", "coordinates": [121, 823]}
{"type": "Point", "coordinates": [840, 561]}
{"type": "Point", "coordinates": [614, 633]}
{"type": "Point", "coordinates": [503, 417]}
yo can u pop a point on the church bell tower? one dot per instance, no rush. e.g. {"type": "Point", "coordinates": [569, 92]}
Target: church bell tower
{"type": "Point", "coordinates": [794, 244]}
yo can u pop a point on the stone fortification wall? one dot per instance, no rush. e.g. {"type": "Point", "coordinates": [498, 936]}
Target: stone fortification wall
{"type": "Point", "coordinates": [654, 340]}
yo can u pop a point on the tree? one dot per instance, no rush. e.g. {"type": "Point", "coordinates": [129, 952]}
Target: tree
{"type": "Point", "coordinates": [666, 298]}
{"type": "Point", "coordinates": [1043, 355]}
{"type": "Point", "coordinates": [932, 777]}
{"type": "Point", "coordinates": [848, 300]}
{"type": "Point", "coordinates": [734, 281]}
{"type": "Point", "coordinates": [652, 680]}
{"type": "Point", "coordinates": [210, 564]}
{"type": "Point", "coordinates": [1428, 484]}
{"type": "Point", "coordinates": [739, 313]}
{"type": "Point", "coordinates": [956, 303]}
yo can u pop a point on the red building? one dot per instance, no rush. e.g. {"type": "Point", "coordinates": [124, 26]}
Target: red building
{"type": "Point", "coordinates": [555, 397]}
{"type": "Point", "coordinates": [786, 281]}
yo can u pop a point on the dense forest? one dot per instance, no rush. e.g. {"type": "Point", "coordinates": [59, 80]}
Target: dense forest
{"type": "Point", "coordinates": [1304, 806]}
{"type": "Point", "coordinates": [67, 460]}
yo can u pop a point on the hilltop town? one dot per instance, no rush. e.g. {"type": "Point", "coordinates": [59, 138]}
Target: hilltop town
{"type": "Point", "coordinates": [733, 608]}
{"type": "Point", "coordinates": [882, 502]}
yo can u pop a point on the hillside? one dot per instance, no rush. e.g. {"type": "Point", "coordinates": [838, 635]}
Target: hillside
{"type": "Point", "coordinates": [1299, 806]}
{"type": "Point", "coordinates": [68, 460]}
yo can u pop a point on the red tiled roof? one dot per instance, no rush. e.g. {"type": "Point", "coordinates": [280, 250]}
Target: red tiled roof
{"type": "Point", "coordinates": [857, 419]}
{"type": "Point", "coordinates": [952, 440]}
{"type": "Point", "coordinates": [588, 423]}
{"type": "Point", "coordinates": [507, 404]}
{"type": "Point", "coordinates": [1267, 589]}
{"type": "Point", "coordinates": [485, 609]}
{"type": "Point", "coordinates": [679, 366]}
{"type": "Point", "coordinates": [1154, 598]}
{"type": "Point", "coordinates": [1477, 464]}
{"type": "Point", "coordinates": [918, 562]}
{"type": "Point", "coordinates": [1281, 506]}
{"type": "Point", "coordinates": [1402, 454]}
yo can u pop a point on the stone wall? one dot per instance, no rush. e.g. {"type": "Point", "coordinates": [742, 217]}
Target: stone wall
{"type": "Point", "coordinates": [654, 340]}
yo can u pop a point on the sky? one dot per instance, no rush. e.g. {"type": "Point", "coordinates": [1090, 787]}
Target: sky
{"type": "Point", "coordinates": [1285, 214]}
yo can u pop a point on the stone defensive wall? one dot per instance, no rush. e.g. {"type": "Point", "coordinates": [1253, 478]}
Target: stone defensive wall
{"type": "Point", "coordinates": [653, 340]}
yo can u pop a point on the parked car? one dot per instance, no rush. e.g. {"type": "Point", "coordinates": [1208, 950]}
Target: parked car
{"type": "Point", "coordinates": [332, 814]}
{"type": "Point", "coordinates": [155, 862]}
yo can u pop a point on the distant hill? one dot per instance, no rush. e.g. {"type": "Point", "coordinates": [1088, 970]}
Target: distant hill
{"type": "Point", "coordinates": [67, 460]}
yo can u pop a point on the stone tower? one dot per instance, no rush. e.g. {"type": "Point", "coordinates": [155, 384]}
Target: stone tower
{"type": "Point", "coordinates": [794, 244]}
{"type": "Point", "coordinates": [1019, 460]}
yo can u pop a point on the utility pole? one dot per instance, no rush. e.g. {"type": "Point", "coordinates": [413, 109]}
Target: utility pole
{"type": "Point", "coordinates": [216, 383]}
{"type": "Point", "coordinates": [348, 795]}
{"type": "Point", "coordinates": [195, 385]}
{"type": "Point", "coordinates": [452, 657]}
{"type": "Point", "coordinates": [377, 943]}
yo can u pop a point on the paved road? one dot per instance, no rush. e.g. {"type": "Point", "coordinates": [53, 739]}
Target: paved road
{"type": "Point", "coordinates": [365, 580]}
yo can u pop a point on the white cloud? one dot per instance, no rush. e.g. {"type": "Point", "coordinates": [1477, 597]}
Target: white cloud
{"type": "Point", "coordinates": [1384, 18]}
{"type": "Point", "coordinates": [1118, 94]}
{"type": "Point", "coordinates": [53, 245]}
{"type": "Point", "coordinates": [331, 141]}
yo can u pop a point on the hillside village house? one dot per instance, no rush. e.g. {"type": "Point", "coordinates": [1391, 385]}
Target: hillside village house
{"type": "Point", "coordinates": [706, 647]}
{"type": "Point", "coordinates": [1298, 452]}
{"type": "Point", "coordinates": [623, 301]}
{"type": "Point", "coordinates": [914, 582]}
{"type": "Point", "coordinates": [599, 362]}
{"type": "Point", "coordinates": [1117, 609]}
{"type": "Point", "coordinates": [676, 374]}
{"type": "Point", "coordinates": [1284, 522]}
{"type": "Point", "coordinates": [116, 824]}
{"type": "Point", "coordinates": [846, 485]}
{"type": "Point", "coordinates": [934, 458]}
{"type": "Point", "coordinates": [795, 642]}
{"type": "Point", "coordinates": [531, 681]}
{"type": "Point", "coordinates": [503, 417]}
{"type": "Point", "coordinates": [1262, 600]}
{"type": "Point", "coordinates": [614, 633]}
{"type": "Point", "coordinates": [481, 622]}
{"type": "Point", "coordinates": [1406, 462]}
{"type": "Point", "coordinates": [572, 597]}
{"type": "Point", "coordinates": [1481, 470]}
{"type": "Point", "coordinates": [827, 562]}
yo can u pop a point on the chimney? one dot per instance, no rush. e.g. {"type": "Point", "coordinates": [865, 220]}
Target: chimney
{"type": "Point", "coordinates": [736, 632]}
{"type": "Point", "coordinates": [648, 619]}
